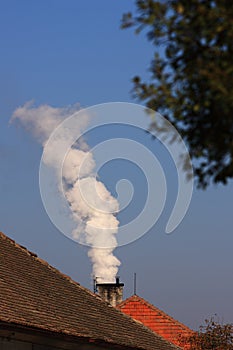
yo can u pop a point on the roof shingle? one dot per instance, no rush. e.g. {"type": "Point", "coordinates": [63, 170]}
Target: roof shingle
{"type": "Point", "coordinates": [155, 319]}
{"type": "Point", "coordinates": [36, 295]}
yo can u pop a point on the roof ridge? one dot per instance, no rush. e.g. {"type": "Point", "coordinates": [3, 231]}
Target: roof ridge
{"type": "Point", "coordinates": [34, 256]}
{"type": "Point", "coordinates": [163, 313]}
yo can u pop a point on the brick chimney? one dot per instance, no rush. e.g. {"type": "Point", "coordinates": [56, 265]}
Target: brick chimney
{"type": "Point", "coordinates": [112, 293]}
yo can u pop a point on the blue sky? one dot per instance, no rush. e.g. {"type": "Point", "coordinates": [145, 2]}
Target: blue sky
{"type": "Point", "coordinates": [62, 52]}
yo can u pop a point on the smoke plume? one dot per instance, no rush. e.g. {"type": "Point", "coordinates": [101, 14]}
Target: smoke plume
{"type": "Point", "coordinates": [92, 206]}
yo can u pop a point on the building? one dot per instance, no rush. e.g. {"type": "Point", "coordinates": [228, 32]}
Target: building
{"type": "Point", "coordinates": [43, 309]}
{"type": "Point", "coordinates": [155, 319]}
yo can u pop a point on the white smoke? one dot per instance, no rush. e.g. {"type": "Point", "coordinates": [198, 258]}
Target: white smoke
{"type": "Point", "coordinates": [93, 207]}
{"type": "Point", "coordinates": [42, 120]}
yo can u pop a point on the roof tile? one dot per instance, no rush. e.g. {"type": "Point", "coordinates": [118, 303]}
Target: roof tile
{"type": "Point", "coordinates": [36, 295]}
{"type": "Point", "coordinates": [155, 319]}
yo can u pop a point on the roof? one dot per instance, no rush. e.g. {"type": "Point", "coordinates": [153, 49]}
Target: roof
{"type": "Point", "coordinates": [154, 318]}
{"type": "Point", "coordinates": [37, 296]}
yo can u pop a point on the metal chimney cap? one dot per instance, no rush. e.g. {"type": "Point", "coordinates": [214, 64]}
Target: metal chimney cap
{"type": "Point", "coordinates": [116, 284]}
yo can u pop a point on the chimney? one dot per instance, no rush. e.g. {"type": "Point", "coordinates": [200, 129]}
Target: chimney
{"type": "Point", "coordinates": [112, 293]}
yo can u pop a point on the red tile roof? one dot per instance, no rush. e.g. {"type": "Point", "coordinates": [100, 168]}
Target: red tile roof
{"type": "Point", "coordinates": [155, 319]}
{"type": "Point", "coordinates": [37, 296]}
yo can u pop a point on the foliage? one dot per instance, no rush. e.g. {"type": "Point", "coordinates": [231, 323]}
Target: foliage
{"type": "Point", "coordinates": [191, 81]}
{"type": "Point", "coordinates": [211, 336]}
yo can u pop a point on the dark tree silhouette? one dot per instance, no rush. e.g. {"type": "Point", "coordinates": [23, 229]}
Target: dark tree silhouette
{"type": "Point", "coordinates": [212, 336]}
{"type": "Point", "coordinates": [191, 82]}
